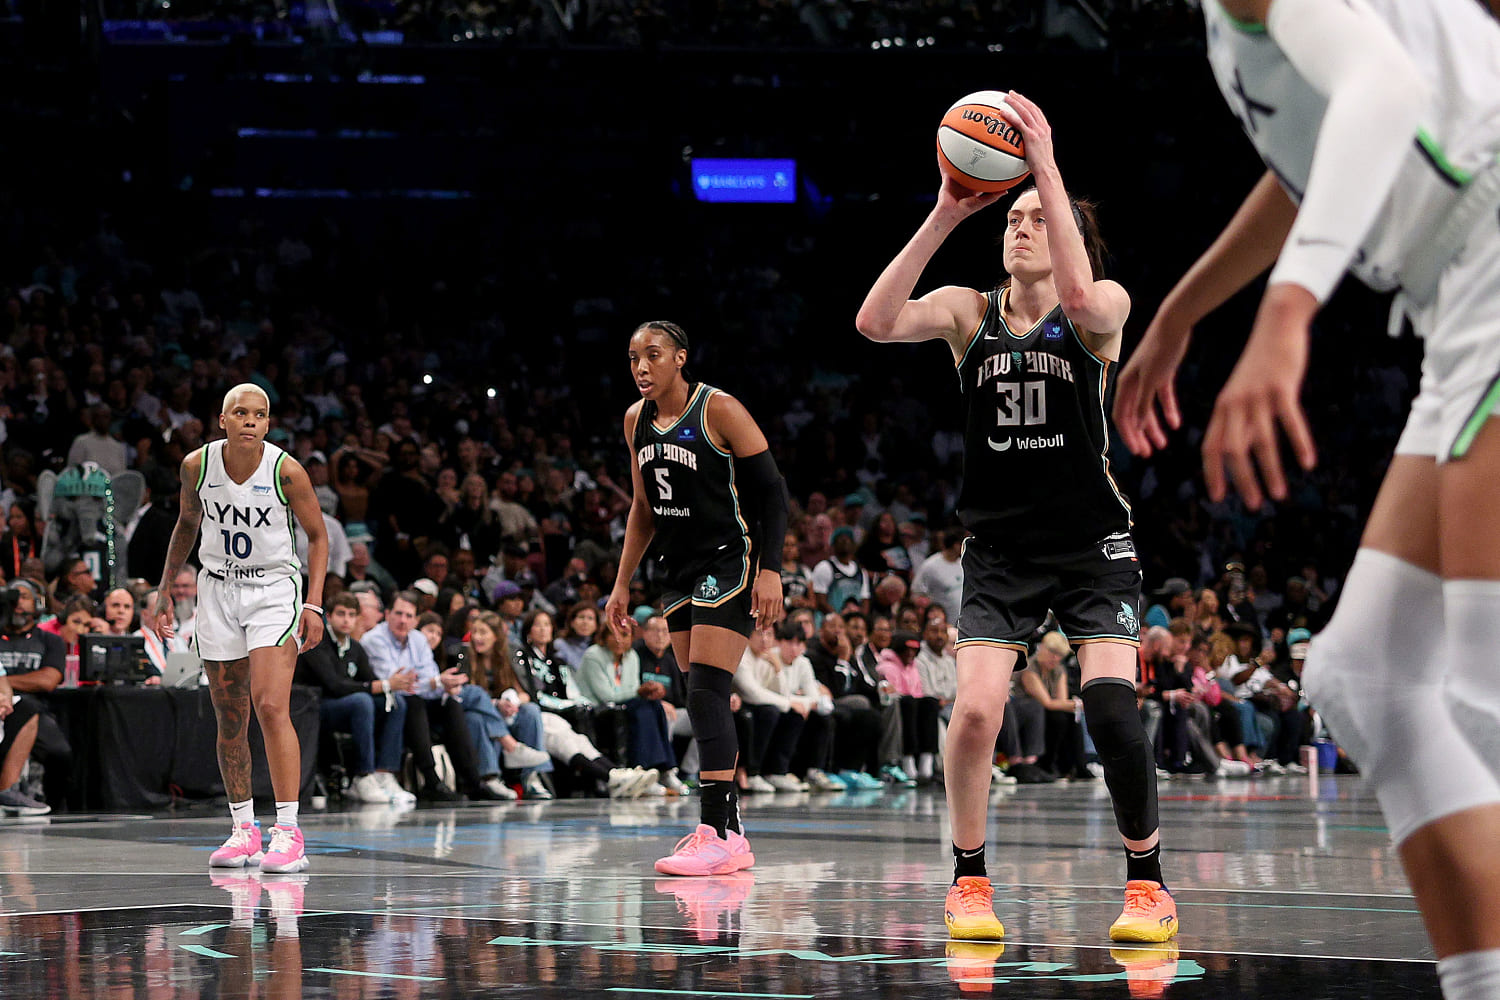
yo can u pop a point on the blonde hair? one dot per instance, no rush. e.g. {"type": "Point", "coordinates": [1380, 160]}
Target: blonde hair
{"type": "Point", "coordinates": [1056, 642]}
{"type": "Point", "coordinates": [240, 390]}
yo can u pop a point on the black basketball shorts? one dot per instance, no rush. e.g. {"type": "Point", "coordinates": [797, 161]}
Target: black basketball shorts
{"type": "Point", "coordinates": [716, 592]}
{"type": "Point", "coordinates": [1095, 594]}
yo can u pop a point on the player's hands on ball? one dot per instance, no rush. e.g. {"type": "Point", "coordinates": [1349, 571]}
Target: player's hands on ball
{"type": "Point", "coordinates": [1147, 382]}
{"type": "Point", "coordinates": [312, 630]}
{"type": "Point", "coordinates": [1262, 393]}
{"type": "Point", "coordinates": [765, 600]}
{"type": "Point", "coordinates": [163, 624]}
{"type": "Point", "coordinates": [960, 202]}
{"type": "Point", "coordinates": [1035, 131]}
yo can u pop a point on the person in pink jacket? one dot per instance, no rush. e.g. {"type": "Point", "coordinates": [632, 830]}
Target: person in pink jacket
{"type": "Point", "coordinates": [919, 711]}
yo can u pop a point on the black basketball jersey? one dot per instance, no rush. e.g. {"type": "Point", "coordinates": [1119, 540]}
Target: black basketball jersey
{"type": "Point", "coordinates": [690, 486]}
{"type": "Point", "coordinates": [1036, 444]}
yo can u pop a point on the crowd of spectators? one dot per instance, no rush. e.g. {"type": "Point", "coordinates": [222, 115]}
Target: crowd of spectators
{"type": "Point", "coordinates": [834, 24]}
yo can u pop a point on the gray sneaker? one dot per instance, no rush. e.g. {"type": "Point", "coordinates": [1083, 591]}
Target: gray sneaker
{"type": "Point", "coordinates": [17, 804]}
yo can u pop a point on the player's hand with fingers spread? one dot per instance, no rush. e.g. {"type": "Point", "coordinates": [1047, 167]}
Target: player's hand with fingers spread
{"type": "Point", "coordinates": [1147, 382]}
{"type": "Point", "coordinates": [1261, 395]}
{"type": "Point", "coordinates": [765, 600]}
{"type": "Point", "coordinates": [1035, 130]}
{"type": "Point", "coordinates": [312, 629]}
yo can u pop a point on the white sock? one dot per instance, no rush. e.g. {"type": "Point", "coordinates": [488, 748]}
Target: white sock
{"type": "Point", "coordinates": [909, 764]}
{"type": "Point", "coordinates": [924, 766]}
{"type": "Point", "coordinates": [286, 927]}
{"type": "Point", "coordinates": [286, 813]}
{"type": "Point", "coordinates": [1472, 975]}
{"type": "Point", "coordinates": [242, 812]}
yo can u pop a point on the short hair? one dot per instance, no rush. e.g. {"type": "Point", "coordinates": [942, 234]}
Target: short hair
{"type": "Point", "coordinates": [411, 597]}
{"type": "Point", "coordinates": [1180, 627]}
{"type": "Point", "coordinates": [427, 618]}
{"type": "Point", "coordinates": [239, 390]}
{"type": "Point", "coordinates": [345, 600]}
{"type": "Point", "coordinates": [788, 630]}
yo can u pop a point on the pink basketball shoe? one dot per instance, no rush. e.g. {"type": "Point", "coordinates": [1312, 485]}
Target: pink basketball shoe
{"type": "Point", "coordinates": [285, 854]}
{"type": "Point", "coordinates": [704, 852]}
{"type": "Point", "coordinates": [241, 849]}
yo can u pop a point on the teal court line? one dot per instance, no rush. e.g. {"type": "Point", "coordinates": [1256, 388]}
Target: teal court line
{"type": "Point", "coordinates": [708, 993]}
{"type": "Point", "coordinates": [10, 954]}
{"type": "Point", "coordinates": [204, 950]}
{"type": "Point", "coordinates": [206, 928]}
{"type": "Point", "coordinates": [377, 975]}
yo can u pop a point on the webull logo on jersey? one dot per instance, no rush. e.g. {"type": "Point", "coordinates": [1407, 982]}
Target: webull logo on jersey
{"type": "Point", "coordinates": [1034, 362]}
{"type": "Point", "coordinates": [1027, 443]}
{"type": "Point", "coordinates": [228, 513]}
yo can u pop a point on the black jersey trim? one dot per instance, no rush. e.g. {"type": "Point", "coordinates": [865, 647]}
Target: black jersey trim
{"type": "Point", "coordinates": [1078, 336]}
{"type": "Point", "coordinates": [697, 391]}
{"type": "Point", "coordinates": [1104, 364]}
{"type": "Point", "coordinates": [675, 605]}
{"type": "Point", "coordinates": [1019, 647]}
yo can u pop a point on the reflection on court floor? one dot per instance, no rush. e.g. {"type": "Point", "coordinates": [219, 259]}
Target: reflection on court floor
{"type": "Point", "coordinates": [1279, 890]}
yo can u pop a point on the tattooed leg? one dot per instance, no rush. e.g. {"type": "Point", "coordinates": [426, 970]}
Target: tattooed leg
{"type": "Point", "coordinates": [271, 671]}
{"type": "Point", "coordinates": [229, 687]}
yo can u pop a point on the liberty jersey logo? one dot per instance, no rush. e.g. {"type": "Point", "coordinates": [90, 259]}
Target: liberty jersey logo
{"type": "Point", "coordinates": [1127, 619]}
{"type": "Point", "coordinates": [708, 589]}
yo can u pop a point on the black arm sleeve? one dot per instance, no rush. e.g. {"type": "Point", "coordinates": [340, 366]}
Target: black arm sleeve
{"type": "Point", "coordinates": [767, 495]}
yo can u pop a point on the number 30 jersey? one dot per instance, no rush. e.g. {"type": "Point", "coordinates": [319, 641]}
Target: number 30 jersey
{"type": "Point", "coordinates": [247, 527]}
{"type": "Point", "coordinates": [690, 485]}
{"type": "Point", "coordinates": [1036, 442]}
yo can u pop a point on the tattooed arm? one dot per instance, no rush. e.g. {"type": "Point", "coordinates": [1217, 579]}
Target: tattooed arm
{"type": "Point", "coordinates": [184, 538]}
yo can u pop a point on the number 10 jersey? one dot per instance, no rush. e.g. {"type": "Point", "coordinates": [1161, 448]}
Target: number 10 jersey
{"type": "Point", "coordinates": [247, 527]}
{"type": "Point", "coordinates": [1036, 440]}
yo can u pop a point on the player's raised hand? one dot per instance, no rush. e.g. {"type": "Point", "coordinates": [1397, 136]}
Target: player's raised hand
{"type": "Point", "coordinates": [1262, 395]}
{"type": "Point", "coordinates": [1148, 383]}
{"type": "Point", "coordinates": [1036, 131]}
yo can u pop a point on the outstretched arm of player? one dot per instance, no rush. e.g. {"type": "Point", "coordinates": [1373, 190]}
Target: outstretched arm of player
{"type": "Point", "coordinates": [640, 527]}
{"type": "Point", "coordinates": [890, 315]}
{"type": "Point", "coordinates": [1099, 307]}
{"type": "Point", "coordinates": [298, 490]}
{"type": "Point", "coordinates": [1376, 100]}
{"type": "Point", "coordinates": [1244, 250]}
{"type": "Point", "coordinates": [728, 420]}
{"type": "Point", "coordinates": [184, 537]}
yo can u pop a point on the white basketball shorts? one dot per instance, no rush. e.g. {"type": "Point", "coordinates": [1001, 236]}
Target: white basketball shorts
{"type": "Point", "coordinates": [234, 618]}
{"type": "Point", "coordinates": [1460, 387]}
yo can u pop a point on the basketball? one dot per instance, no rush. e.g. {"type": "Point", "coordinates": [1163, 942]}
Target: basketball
{"type": "Point", "coordinates": [978, 148]}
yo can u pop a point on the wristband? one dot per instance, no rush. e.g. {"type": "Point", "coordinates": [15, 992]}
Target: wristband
{"type": "Point", "coordinates": [313, 607]}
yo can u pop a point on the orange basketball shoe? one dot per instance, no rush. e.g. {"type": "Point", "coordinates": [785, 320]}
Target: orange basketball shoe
{"type": "Point", "coordinates": [970, 912]}
{"type": "Point", "coordinates": [1150, 914]}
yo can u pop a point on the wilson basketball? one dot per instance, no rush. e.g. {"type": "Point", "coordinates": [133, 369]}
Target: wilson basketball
{"type": "Point", "coordinates": [978, 148]}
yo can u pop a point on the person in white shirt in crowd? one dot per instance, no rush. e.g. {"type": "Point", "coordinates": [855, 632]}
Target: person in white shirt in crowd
{"type": "Point", "coordinates": [433, 702]}
{"type": "Point", "coordinates": [941, 575]}
{"type": "Point", "coordinates": [777, 676]}
{"type": "Point", "coordinates": [339, 551]}
{"type": "Point", "coordinates": [316, 464]}
{"type": "Point", "coordinates": [937, 665]}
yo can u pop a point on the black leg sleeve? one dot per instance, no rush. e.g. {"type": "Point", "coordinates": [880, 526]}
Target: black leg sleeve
{"type": "Point", "coordinates": [1115, 724]}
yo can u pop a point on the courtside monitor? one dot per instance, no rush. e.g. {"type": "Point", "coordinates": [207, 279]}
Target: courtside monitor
{"type": "Point", "coordinates": [741, 180]}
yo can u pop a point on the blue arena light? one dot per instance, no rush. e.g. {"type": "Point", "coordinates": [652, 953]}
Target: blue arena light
{"type": "Point", "coordinates": [745, 180]}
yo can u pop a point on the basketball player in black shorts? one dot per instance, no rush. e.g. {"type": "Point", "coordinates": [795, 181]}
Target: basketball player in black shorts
{"type": "Point", "coordinates": [1050, 529]}
{"type": "Point", "coordinates": [711, 505]}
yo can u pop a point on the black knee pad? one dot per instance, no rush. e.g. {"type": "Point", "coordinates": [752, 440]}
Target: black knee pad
{"type": "Point", "coordinates": [708, 690]}
{"type": "Point", "coordinates": [1114, 722]}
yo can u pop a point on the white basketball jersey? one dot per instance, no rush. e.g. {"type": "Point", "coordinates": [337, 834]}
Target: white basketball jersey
{"type": "Point", "coordinates": [247, 527]}
{"type": "Point", "coordinates": [1456, 47]}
